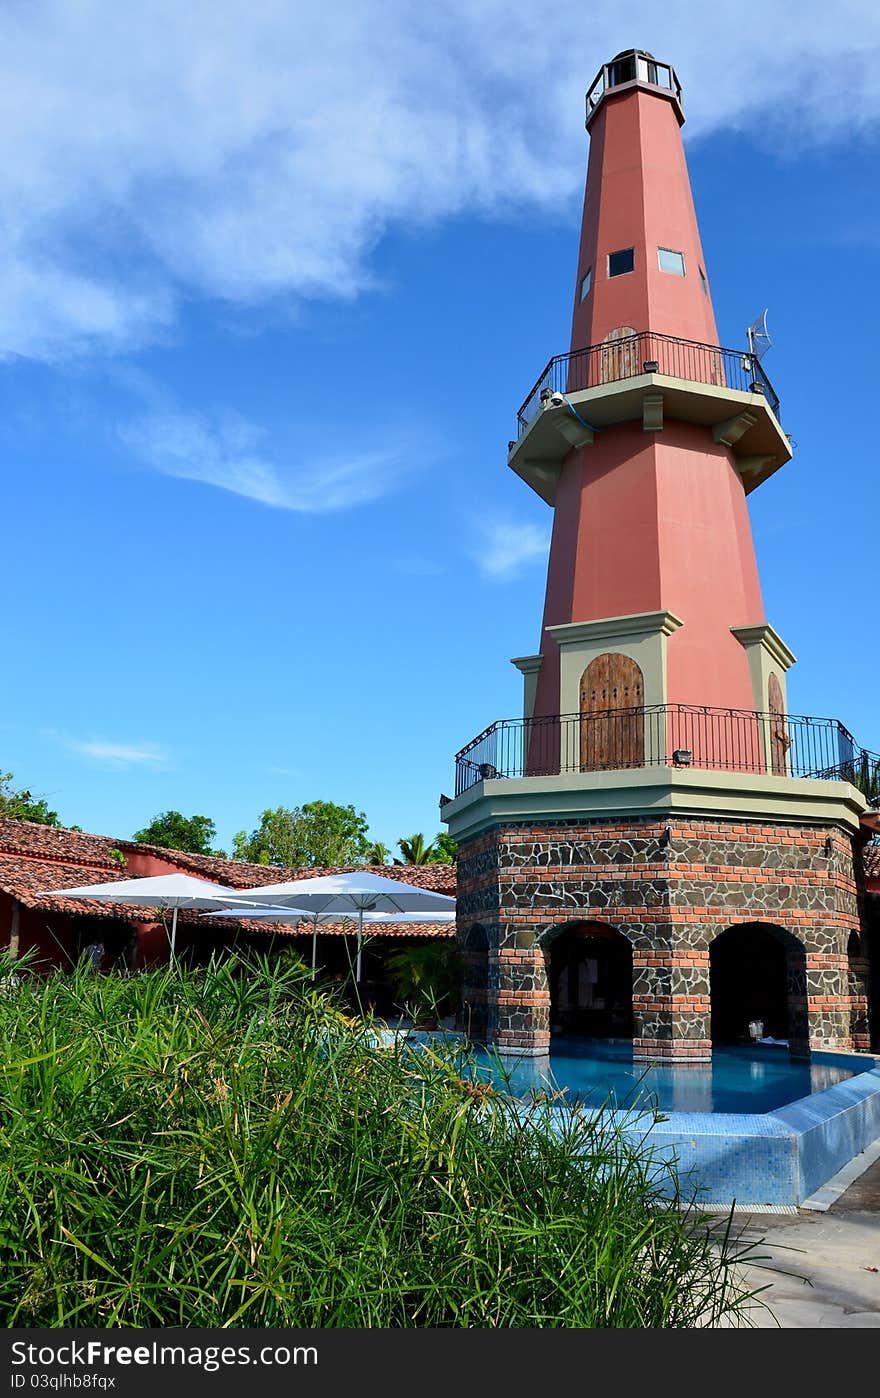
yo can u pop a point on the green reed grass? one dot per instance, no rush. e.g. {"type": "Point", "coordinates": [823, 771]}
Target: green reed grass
{"type": "Point", "coordinates": [224, 1147]}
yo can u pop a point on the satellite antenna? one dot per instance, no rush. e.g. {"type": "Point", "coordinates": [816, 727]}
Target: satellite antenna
{"type": "Point", "coordinates": [759, 337]}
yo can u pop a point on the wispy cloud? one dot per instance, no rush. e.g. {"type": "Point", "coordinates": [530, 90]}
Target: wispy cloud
{"type": "Point", "coordinates": [230, 453]}
{"type": "Point", "coordinates": [119, 755]}
{"type": "Point", "coordinates": [506, 548]}
{"type": "Point", "coordinates": [158, 153]}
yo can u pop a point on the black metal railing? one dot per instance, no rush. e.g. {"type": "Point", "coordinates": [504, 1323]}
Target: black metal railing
{"type": "Point", "coordinates": [648, 353]}
{"type": "Point", "coordinates": [665, 735]}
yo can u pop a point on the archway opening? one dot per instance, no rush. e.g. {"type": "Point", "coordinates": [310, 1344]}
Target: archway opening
{"type": "Point", "coordinates": [590, 973]}
{"type": "Point", "coordinates": [472, 1017]}
{"type": "Point", "coordinates": [757, 986]}
{"type": "Point", "coordinates": [858, 976]}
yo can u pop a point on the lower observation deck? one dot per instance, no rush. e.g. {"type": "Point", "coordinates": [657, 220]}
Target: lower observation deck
{"type": "Point", "coordinates": [666, 735]}
{"type": "Point", "coordinates": [663, 762]}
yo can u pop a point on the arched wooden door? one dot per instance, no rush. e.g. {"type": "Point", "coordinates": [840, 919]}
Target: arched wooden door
{"type": "Point", "coordinates": [612, 714]}
{"type": "Point", "coordinates": [620, 355]}
{"type": "Point", "coordinates": [779, 741]}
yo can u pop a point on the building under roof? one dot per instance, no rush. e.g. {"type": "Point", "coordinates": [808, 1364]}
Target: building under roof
{"type": "Point", "coordinates": [57, 931]}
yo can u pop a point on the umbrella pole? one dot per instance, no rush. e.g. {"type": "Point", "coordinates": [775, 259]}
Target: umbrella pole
{"type": "Point", "coordinates": [357, 965]}
{"type": "Point", "coordinates": [314, 948]}
{"type": "Point", "coordinates": [173, 935]}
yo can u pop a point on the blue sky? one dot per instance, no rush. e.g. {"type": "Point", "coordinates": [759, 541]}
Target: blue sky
{"type": "Point", "coordinates": [274, 286]}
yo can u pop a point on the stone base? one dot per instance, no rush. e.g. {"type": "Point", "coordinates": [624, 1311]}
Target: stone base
{"type": "Point", "coordinates": [678, 1051]}
{"type": "Point", "coordinates": [533, 1045]}
{"type": "Point", "coordinates": [670, 888]}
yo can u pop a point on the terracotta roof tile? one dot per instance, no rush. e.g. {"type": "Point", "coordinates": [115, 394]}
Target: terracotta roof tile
{"type": "Point", "coordinates": [440, 878]}
{"type": "Point", "coordinates": [38, 857]}
{"type": "Point", "coordinates": [25, 879]}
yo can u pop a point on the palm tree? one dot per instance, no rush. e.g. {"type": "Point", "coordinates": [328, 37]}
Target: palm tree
{"type": "Point", "coordinates": [377, 853]}
{"type": "Point", "coordinates": [415, 850]}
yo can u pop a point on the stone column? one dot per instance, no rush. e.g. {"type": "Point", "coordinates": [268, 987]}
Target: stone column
{"type": "Point", "coordinates": [827, 1000]}
{"type": "Point", "coordinates": [519, 996]}
{"type": "Point", "coordinates": [670, 1000]}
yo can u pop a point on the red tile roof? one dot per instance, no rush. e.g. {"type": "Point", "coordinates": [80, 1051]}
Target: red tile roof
{"type": "Point", "coordinates": [25, 879]}
{"type": "Point", "coordinates": [34, 858]}
{"type": "Point", "coordinates": [872, 864]}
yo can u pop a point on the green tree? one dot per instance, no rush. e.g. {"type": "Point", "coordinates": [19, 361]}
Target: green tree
{"type": "Point", "coordinates": [172, 830]}
{"type": "Point", "coordinates": [445, 848]}
{"type": "Point", "coordinates": [426, 978]}
{"type": "Point", "coordinates": [416, 849]}
{"type": "Point", "coordinates": [377, 853]}
{"type": "Point", "coordinates": [315, 835]}
{"type": "Point", "coordinates": [20, 804]}
{"type": "Point", "coordinates": [866, 775]}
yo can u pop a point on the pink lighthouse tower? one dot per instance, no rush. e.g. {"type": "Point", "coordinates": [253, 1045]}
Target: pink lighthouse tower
{"type": "Point", "coordinates": [646, 443]}
{"type": "Point", "coordinates": [657, 850]}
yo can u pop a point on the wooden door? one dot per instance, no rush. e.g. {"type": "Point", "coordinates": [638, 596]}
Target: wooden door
{"type": "Point", "coordinates": [612, 714]}
{"type": "Point", "coordinates": [620, 354]}
{"type": "Point", "coordinates": [779, 740]}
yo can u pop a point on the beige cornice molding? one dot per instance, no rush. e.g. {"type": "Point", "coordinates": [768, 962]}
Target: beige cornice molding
{"type": "Point", "coordinates": [615, 628]}
{"type": "Point", "coordinates": [527, 664]}
{"type": "Point", "coordinates": [764, 635]}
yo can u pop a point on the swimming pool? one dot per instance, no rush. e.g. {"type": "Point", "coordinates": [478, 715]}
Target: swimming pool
{"type": "Point", "coordinates": [755, 1126]}
{"type": "Point", "coordinates": [602, 1072]}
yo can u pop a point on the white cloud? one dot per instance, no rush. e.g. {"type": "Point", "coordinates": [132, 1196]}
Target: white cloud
{"type": "Point", "coordinates": [157, 152]}
{"type": "Point", "coordinates": [228, 452]}
{"type": "Point", "coordinates": [507, 548]}
{"type": "Point", "coordinates": [119, 755]}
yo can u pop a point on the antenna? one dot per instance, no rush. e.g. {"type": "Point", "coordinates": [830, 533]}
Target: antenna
{"type": "Point", "coordinates": [759, 336]}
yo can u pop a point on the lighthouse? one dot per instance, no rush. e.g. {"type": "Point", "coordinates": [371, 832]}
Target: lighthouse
{"type": "Point", "coordinates": [657, 850]}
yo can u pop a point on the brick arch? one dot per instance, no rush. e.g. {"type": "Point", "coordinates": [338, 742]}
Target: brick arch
{"type": "Point", "coordinates": [588, 970]}
{"type": "Point", "coordinates": [782, 934]}
{"type": "Point", "coordinates": [758, 972]}
{"type": "Point", "coordinates": [548, 936]}
{"type": "Point", "coordinates": [858, 985]}
{"type": "Point", "coordinates": [473, 948]}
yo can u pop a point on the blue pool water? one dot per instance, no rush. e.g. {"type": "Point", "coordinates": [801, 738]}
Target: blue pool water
{"type": "Point", "coordinates": [747, 1079]}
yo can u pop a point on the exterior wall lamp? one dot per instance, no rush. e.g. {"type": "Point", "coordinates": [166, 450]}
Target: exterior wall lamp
{"type": "Point", "coordinates": [682, 757]}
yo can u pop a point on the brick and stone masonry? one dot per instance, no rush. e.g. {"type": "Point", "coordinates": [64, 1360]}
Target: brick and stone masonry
{"type": "Point", "coordinates": [670, 888]}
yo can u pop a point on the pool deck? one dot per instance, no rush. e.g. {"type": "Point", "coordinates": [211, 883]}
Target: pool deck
{"type": "Point", "coordinates": [822, 1269]}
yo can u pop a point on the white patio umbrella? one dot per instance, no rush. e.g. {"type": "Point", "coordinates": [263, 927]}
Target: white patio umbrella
{"type": "Point", "coordinates": [174, 891]}
{"type": "Point", "coordinates": [283, 914]}
{"type": "Point", "coordinates": [276, 915]}
{"type": "Point", "coordinates": [343, 894]}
